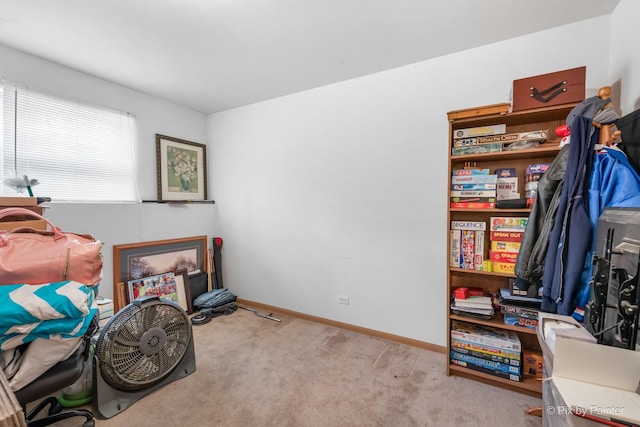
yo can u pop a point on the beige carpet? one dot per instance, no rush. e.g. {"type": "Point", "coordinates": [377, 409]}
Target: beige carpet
{"type": "Point", "coordinates": [256, 372]}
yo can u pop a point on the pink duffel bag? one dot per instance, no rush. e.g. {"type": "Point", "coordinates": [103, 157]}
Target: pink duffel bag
{"type": "Point", "coordinates": [35, 256]}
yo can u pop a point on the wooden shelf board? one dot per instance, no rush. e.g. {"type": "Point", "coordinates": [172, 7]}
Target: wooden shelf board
{"type": "Point", "coordinates": [484, 273]}
{"type": "Point", "coordinates": [492, 211]}
{"type": "Point", "coordinates": [542, 150]}
{"type": "Point", "coordinates": [530, 385]}
{"type": "Point", "coordinates": [526, 116]}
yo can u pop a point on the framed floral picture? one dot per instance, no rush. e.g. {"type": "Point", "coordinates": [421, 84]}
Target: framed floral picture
{"type": "Point", "coordinates": [182, 169]}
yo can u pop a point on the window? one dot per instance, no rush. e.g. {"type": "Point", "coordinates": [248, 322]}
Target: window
{"type": "Point", "coordinates": [78, 153]}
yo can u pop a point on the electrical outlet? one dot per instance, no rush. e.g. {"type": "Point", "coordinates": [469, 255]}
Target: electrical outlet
{"type": "Point", "coordinates": [343, 300]}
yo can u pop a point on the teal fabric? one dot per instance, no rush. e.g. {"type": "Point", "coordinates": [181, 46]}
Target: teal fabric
{"type": "Point", "coordinates": [28, 311]}
{"type": "Point", "coordinates": [23, 304]}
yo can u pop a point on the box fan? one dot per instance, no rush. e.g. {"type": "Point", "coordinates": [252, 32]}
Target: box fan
{"type": "Point", "coordinates": [146, 345]}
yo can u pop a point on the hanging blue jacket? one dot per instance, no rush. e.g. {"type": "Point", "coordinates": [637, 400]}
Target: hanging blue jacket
{"type": "Point", "coordinates": [570, 238]}
{"type": "Point", "coordinates": [614, 183]}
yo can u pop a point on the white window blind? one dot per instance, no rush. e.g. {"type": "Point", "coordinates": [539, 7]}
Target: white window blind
{"type": "Point", "coordinates": [78, 153]}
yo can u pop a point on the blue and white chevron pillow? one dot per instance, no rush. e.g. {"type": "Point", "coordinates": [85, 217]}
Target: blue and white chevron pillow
{"type": "Point", "coordinates": [28, 311]}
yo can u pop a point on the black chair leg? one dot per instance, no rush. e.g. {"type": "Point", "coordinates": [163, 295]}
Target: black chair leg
{"type": "Point", "coordinates": [90, 422]}
{"type": "Point", "coordinates": [55, 415]}
{"type": "Point", "coordinates": [52, 401]}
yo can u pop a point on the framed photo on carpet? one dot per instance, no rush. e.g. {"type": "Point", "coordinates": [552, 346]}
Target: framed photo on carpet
{"type": "Point", "coordinates": [161, 286]}
{"type": "Point", "coordinates": [137, 260]}
{"type": "Point", "coordinates": [181, 169]}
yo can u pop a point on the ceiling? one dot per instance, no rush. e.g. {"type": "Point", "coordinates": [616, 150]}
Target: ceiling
{"type": "Point", "coordinates": [213, 55]}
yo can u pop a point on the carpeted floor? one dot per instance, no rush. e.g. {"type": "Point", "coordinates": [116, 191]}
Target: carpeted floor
{"type": "Point", "coordinates": [253, 371]}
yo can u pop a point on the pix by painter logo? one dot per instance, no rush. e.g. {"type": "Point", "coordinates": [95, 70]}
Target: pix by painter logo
{"type": "Point", "coordinates": [606, 411]}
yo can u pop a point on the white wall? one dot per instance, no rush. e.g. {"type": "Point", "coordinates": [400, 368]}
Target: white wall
{"type": "Point", "coordinates": [624, 58]}
{"type": "Point", "coordinates": [120, 223]}
{"type": "Point", "coordinates": [342, 190]}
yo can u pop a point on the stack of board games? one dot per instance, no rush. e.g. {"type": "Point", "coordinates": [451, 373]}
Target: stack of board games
{"type": "Point", "coordinates": [492, 139]}
{"type": "Point", "coordinates": [505, 235]}
{"type": "Point", "coordinates": [467, 244]}
{"type": "Point", "coordinates": [519, 310]}
{"type": "Point", "coordinates": [517, 315]}
{"type": "Point", "coordinates": [473, 189]}
{"type": "Point", "coordinates": [482, 139]}
{"type": "Point", "coordinates": [485, 349]}
{"type": "Point", "coordinates": [532, 175]}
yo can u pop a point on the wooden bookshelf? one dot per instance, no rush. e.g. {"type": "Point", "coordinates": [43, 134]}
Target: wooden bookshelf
{"type": "Point", "coordinates": [522, 121]}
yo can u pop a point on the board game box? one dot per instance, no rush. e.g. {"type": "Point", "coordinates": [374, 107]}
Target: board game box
{"type": "Point", "coordinates": [486, 352]}
{"type": "Point", "coordinates": [468, 225]}
{"type": "Point", "coordinates": [462, 187]}
{"type": "Point", "coordinates": [532, 362]}
{"type": "Point", "coordinates": [501, 246]}
{"type": "Point", "coordinates": [512, 377]}
{"type": "Point", "coordinates": [506, 236]}
{"type": "Point", "coordinates": [490, 364]}
{"type": "Point", "coordinates": [486, 335]}
{"type": "Point", "coordinates": [507, 223]}
{"type": "Point", "coordinates": [477, 149]}
{"type": "Point", "coordinates": [470, 171]}
{"type": "Point", "coordinates": [455, 251]}
{"type": "Point", "coordinates": [514, 310]}
{"type": "Point", "coordinates": [480, 131]}
{"type": "Point", "coordinates": [474, 179]}
{"type": "Point", "coordinates": [501, 256]}
{"type": "Point", "coordinates": [515, 320]}
{"type": "Point", "coordinates": [472, 205]}
{"type": "Point", "coordinates": [487, 367]}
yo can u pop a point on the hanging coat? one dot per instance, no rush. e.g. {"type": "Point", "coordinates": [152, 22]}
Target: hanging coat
{"type": "Point", "coordinates": [533, 250]}
{"type": "Point", "coordinates": [614, 183]}
{"type": "Point", "coordinates": [570, 238]}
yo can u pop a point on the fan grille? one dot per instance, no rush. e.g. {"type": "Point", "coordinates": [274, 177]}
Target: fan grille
{"type": "Point", "coordinates": [142, 344]}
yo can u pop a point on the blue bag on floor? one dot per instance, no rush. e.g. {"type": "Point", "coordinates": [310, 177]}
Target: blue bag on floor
{"type": "Point", "coordinates": [214, 298]}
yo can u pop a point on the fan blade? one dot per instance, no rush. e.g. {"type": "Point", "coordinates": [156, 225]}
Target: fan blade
{"type": "Point", "coordinates": [141, 359]}
{"type": "Point", "coordinates": [150, 316]}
